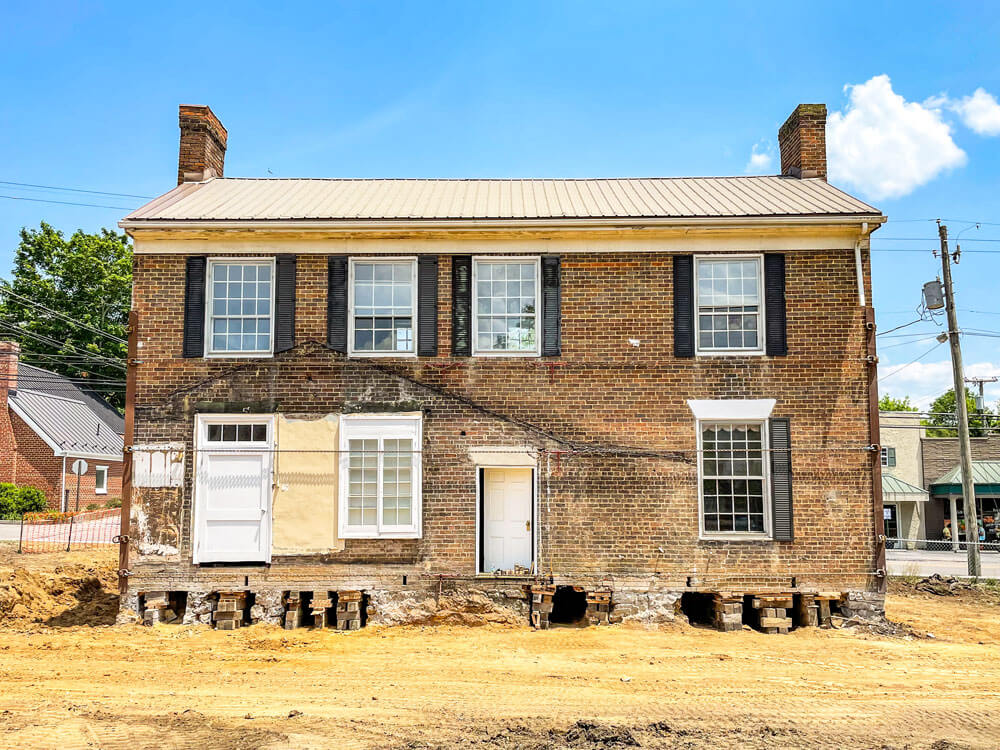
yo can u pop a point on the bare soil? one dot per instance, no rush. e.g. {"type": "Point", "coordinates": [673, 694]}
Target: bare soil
{"type": "Point", "coordinates": [72, 680]}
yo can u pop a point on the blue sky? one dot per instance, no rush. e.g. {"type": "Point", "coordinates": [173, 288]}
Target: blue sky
{"type": "Point", "coordinates": [558, 89]}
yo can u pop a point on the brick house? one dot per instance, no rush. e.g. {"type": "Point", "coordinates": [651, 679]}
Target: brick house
{"type": "Point", "coordinates": [48, 421]}
{"type": "Point", "coordinates": [641, 388]}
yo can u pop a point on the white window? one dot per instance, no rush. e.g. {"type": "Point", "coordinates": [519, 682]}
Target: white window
{"type": "Point", "coordinates": [380, 476]}
{"type": "Point", "coordinates": [101, 480]}
{"type": "Point", "coordinates": [382, 306]}
{"type": "Point", "coordinates": [888, 456]}
{"type": "Point", "coordinates": [239, 307]}
{"type": "Point", "coordinates": [730, 311]}
{"type": "Point", "coordinates": [733, 477]}
{"type": "Point", "coordinates": [505, 306]}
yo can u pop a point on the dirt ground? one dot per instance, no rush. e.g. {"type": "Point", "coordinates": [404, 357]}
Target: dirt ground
{"type": "Point", "coordinates": [72, 685]}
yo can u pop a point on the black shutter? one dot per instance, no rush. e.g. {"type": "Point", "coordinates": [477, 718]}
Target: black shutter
{"type": "Point", "coordinates": [427, 306]}
{"type": "Point", "coordinates": [336, 303]}
{"type": "Point", "coordinates": [551, 307]}
{"type": "Point", "coordinates": [194, 307]}
{"type": "Point", "coordinates": [461, 306]}
{"type": "Point", "coordinates": [284, 303]}
{"type": "Point", "coordinates": [683, 305]}
{"type": "Point", "coordinates": [781, 479]}
{"type": "Point", "coordinates": [774, 305]}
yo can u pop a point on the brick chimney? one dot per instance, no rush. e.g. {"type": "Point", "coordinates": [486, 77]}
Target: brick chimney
{"type": "Point", "coordinates": [9, 352]}
{"type": "Point", "coordinates": [203, 144]}
{"type": "Point", "coordinates": [802, 140]}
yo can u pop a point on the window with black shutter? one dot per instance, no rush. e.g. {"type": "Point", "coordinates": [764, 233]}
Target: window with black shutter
{"type": "Point", "coordinates": [284, 303]}
{"type": "Point", "coordinates": [461, 306]}
{"type": "Point", "coordinates": [774, 305]}
{"type": "Point", "coordinates": [781, 479]}
{"type": "Point", "coordinates": [427, 306]}
{"type": "Point", "coordinates": [194, 307]}
{"type": "Point", "coordinates": [683, 306]}
{"type": "Point", "coordinates": [336, 303]}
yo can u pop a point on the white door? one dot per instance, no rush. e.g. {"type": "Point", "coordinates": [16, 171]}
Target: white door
{"type": "Point", "coordinates": [507, 514]}
{"type": "Point", "coordinates": [233, 491]}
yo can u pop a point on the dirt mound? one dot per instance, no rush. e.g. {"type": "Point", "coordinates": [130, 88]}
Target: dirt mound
{"type": "Point", "coordinates": [68, 595]}
{"type": "Point", "coordinates": [981, 592]}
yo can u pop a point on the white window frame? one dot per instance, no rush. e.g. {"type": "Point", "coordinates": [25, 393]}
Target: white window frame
{"type": "Point", "coordinates": [202, 445]}
{"type": "Point", "coordinates": [537, 261]}
{"type": "Point", "coordinates": [884, 456]}
{"type": "Point", "coordinates": [98, 471]}
{"type": "Point", "coordinates": [382, 427]}
{"type": "Point", "coordinates": [244, 260]}
{"type": "Point", "coordinates": [414, 288]}
{"type": "Point", "coordinates": [730, 536]}
{"type": "Point", "coordinates": [759, 351]}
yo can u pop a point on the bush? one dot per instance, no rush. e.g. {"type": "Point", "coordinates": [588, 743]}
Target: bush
{"type": "Point", "coordinates": [16, 501]}
{"type": "Point", "coordinates": [92, 506]}
{"type": "Point", "coordinates": [115, 502]}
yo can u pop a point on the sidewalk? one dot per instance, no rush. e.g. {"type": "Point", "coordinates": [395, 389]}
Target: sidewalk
{"type": "Point", "coordinates": [918, 562]}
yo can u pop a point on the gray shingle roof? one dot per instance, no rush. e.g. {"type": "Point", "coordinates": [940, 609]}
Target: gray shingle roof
{"type": "Point", "coordinates": [269, 199]}
{"type": "Point", "coordinates": [69, 416]}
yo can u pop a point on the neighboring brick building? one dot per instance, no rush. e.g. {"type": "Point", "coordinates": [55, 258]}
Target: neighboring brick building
{"type": "Point", "coordinates": [48, 422]}
{"type": "Point", "coordinates": [405, 386]}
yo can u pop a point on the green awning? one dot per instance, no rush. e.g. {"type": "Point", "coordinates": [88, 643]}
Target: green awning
{"type": "Point", "coordinates": [895, 489]}
{"type": "Point", "coordinates": [985, 475]}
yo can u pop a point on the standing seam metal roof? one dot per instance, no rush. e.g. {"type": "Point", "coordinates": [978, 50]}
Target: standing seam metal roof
{"type": "Point", "coordinates": [69, 423]}
{"type": "Point", "coordinates": [270, 199]}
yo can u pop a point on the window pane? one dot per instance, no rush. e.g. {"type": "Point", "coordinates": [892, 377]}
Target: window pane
{"type": "Point", "coordinates": [732, 465]}
{"type": "Point", "coordinates": [729, 305]}
{"type": "Point", "coordinates": [505, 306]}
{"type": "Point", "coordinates": [383, 302]}
{"type": "Point", "coordinates": [240, 302]}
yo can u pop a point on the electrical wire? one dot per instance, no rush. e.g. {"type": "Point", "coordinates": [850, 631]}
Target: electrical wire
{"type": "Point", "coordinates": [65, 203]}
{"type": "Point", "coordinates": [5, 288]}
{"type": "Point", "coordinates": [913, 362]}
{"type": "Point", "coordinates": [75, 190]}
{"type": "Point", "coordinates": [912, 322]}
{"type": "Point", "coordinates": [95, 358]}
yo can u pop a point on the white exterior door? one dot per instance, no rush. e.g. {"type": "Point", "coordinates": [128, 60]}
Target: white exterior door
{"type": "Point", "coordinates": [233, 490]}
{"type": "Point", "coordinates": [507, 527]}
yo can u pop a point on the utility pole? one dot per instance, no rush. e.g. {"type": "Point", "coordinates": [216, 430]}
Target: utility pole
{"type": "Point", "coordinates": [962, 412]}
{"type": "Point", "coordinates": [981, 401]}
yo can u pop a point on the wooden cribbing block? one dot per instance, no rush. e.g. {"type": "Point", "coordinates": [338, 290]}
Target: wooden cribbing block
{"type": "Point", "coordinates": [824, 613]}
{"type": "Point", "coordinates": [776, 622]}
{"type": "Point", "coordinates": [761, 602]}
{"type": "Point", "coordinates": [349, 596]}
{"type": "Point", "coordinates": [321, 603]}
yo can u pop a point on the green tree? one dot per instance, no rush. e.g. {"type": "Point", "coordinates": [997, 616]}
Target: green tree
{"type": "Point", "coordinates": [943, 411]}
{"type": "Point", "coordinates": [888, 403]}
{"type": "Point", "coordinates": [88, 279]}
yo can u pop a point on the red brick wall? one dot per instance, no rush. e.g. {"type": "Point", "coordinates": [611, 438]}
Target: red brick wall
{"type": "Point", "coordinates": [604, 509]}
{"type": "Point", "coordinates": [802, 140]}
{"type": "Point", "coordinates": [32, 463]}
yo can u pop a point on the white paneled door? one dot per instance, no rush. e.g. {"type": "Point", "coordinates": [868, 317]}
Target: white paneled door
{"type": "Point", "coordinates": [507, 518]}
{"type": "Point", "coordinates": [232, 515]}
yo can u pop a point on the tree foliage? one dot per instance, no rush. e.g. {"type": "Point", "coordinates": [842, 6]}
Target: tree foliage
{"type": "Point", "coordinates": [943, 410]}
{"type": "Point", "coordinates": [87, 278]}
{"type": "Point", "coordinates": [888, 403]}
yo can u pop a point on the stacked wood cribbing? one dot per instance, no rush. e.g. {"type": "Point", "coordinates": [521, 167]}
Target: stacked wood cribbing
{"type": "Point", "coordinates": [541, 605]}
{"type": "Point", "coordinates": [728, 611]}
{"type": "Point", "coordinates": [823, 600]}
{"type": "Point", "coordinates": [319, 606]}
{"type": "Point", "coordinates": [771, 612]}
{"type": "Point", "coordinates": [807, 611]}
{"type": "Point", "coordinates": [293, 611]}
{"type": "Point", "coordinates": [157, 608]}
{"type": "Point", "coordinates": [349, 610]}
{"type": "Point", "coordinates": [598, 607]}
{"type": "Point", "coordinates": [230, 609]}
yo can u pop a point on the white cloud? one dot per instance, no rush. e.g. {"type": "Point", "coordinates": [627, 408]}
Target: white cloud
{"type": "Point", "coordinates": [761, 158]}
{"type": "Point", "coordinates": [979, 112]}
{"type": "Point", "coordinates": [885, 146]}
{"type": "Point", "coordinates": [925, 381]}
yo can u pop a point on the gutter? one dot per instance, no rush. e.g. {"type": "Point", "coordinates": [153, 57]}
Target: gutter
{"type": "Point", "coordinates": [555, 224]}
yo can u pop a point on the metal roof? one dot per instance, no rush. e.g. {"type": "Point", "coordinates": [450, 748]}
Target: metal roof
{"type": "Point", "coordinates": [70, 424]}
{"type": "Point", "coordinates": [893, 486]}
{"type": "Point", "coordinates": [983, 472]}
{"type": "Point", "coordinates": [270, 199]}
{"type": "Point", "coordinates": [36, 379]}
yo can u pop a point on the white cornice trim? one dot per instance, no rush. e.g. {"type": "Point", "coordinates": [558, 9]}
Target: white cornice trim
{"type": "Point", "coordinates": [734, 409]}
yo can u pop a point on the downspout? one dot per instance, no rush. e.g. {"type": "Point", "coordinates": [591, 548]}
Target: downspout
{"type": "Point", "coordinates": [62, 487]}
{"type": "Point", "coordinates": [858, 266]}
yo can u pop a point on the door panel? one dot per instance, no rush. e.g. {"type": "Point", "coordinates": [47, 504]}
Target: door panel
{"type": "Point", "coordinates": [507, 516]}
{"type": "Point", "coordinates": [233, 494]}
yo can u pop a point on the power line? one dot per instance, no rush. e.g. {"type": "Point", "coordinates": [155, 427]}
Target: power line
{"type": "Point", "coordinates": [75, 190]}
{"type": "Point", "coordinates": [96, 358]}
{"type": "Point", "coordinates": [912, 322]}
{"type": "Point", "coordinates": [5, 288]}
{"type": "Point", "coordinates": [65, 203]}
{"type": "Point", "coordinates": [910, 363]}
